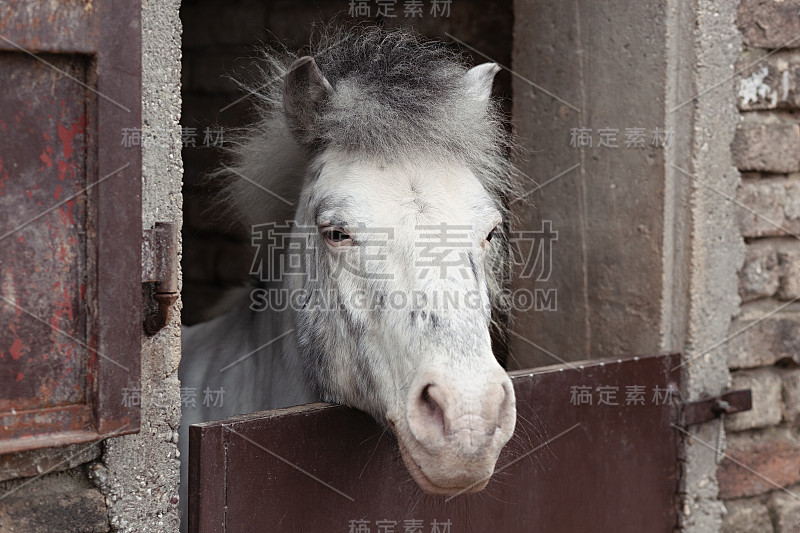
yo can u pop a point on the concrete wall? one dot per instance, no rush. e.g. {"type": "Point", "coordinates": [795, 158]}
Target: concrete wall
{"type": "Point", "coordinates": [592, 69]}
{"type": "Point", "coordinates": [707, 232]}
{"type": "Point", "coordinates": [648, 247]}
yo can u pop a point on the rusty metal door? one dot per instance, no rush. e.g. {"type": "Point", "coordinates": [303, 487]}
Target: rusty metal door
{"type": "Point", "coordinates": [70, 220]}
{"type": "Point", "coordinates": [596, 449]}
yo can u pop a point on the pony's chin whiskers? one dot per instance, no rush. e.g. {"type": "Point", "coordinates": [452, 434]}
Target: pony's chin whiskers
{"type": "Point", "coordinates": [373, 451]}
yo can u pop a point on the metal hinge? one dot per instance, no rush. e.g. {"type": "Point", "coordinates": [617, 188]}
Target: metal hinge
{"type": "Point", "coordinates": [160, 266]}
{"type": "Point", "coordinates": [711, 408]}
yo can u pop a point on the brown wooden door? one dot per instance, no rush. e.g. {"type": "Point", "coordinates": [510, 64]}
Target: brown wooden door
{"type": "Point", "coordinates": [595, 450]}
{"type": "Point", "coordinates": [70, 221]}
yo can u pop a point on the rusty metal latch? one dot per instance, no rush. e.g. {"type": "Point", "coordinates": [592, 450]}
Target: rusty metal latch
{"type": "Point", "coordinates": [160, 266]}
{"type": "Point", "coordinates": [717, 406]}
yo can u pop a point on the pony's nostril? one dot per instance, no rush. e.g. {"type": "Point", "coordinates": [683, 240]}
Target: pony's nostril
{"type": "Point", "coordinates": [433, 410]}
{"type": "Point", "coordinates": [426, 394]}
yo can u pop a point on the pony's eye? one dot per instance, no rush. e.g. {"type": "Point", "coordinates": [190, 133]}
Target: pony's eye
{"type": "Point", "coordinates": [337, 237]}
{"type": "Point", "coordinates": [491, 235]}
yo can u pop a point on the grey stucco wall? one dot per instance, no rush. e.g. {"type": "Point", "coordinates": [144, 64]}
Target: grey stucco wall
{"type": "Point", "coordinates": [670, 285]}
{"type": "Point", "coordinates": [592, 67]}
{"type": "Point", "coordinates": [715, 247]}
{"type": "Point", "coordinates": [138, 474]}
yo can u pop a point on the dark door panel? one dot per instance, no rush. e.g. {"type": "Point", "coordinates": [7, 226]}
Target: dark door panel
{"type": "Point", "coordinates": [594, 450]}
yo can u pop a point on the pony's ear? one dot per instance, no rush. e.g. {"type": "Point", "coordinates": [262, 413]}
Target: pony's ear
{"type": "Point", "coordinates": [479, 80]}
{"type": "Point", "coordinates": [305, 89]}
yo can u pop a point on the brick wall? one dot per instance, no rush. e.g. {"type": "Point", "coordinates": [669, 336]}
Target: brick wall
{"type": "Point", "coordinates": [220, 40]}
{"type": "Point", "coordinates": [765, 352]}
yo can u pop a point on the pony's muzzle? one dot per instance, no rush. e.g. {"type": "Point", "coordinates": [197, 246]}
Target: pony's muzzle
{"type": "Point", "coordinates": [456, 429]}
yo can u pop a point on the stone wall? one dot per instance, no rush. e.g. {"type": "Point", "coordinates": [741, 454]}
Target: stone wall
{"type": "Point", "coordinates": [765, 352]}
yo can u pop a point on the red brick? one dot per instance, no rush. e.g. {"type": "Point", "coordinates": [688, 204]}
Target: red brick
{"type": "Point", "coordinates": [764, 343]}
{"type": "Point", "coordinates": [785, 510]}
{"type": "Point", "coordinates": [771, 83]}
{"type": "Point", "coordinates": [770, 23]}
{"type": "Point", "coordinates": [775, 457]}
{"type": "Point", "coordinates": [789, 264]}
{"type": "Point", "coordinates": [746, 516]}
{"type": "Point", "coordinates": [791, 395]}
{"type": "Point", "coordinates": [760, 275]}
{"type": "Point", "coordinates": [771, 207]}
{"type": "Point", "coordinates": [765, 384]}
{"type": "Point", "coordinates": [767, 147]}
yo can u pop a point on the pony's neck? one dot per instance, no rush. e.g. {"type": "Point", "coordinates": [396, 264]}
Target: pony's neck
{"type": "Point", "coordinates": [279, 365]}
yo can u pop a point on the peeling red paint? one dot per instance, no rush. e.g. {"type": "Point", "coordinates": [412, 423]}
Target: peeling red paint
{"type": "Point", "coordinates": [3, 179]}
{"type": "Point", "coordinates": [66, 212]}
{"type": "Point", "coordinates": [65, 307]}
{"type": "Point", "coordinates": [63, 166]}
{"type": "Point", "coordinates": [46, 159]}
{"type": "Point", "coordinates": [49, 143]}
{"type": "Point", "coordinates": [16, 349]}
{"type": "Point", "coordinates": [67, 135]}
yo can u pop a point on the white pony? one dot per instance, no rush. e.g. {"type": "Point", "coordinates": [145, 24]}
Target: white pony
{"type": "Point", "coordinates": [388, 157]}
